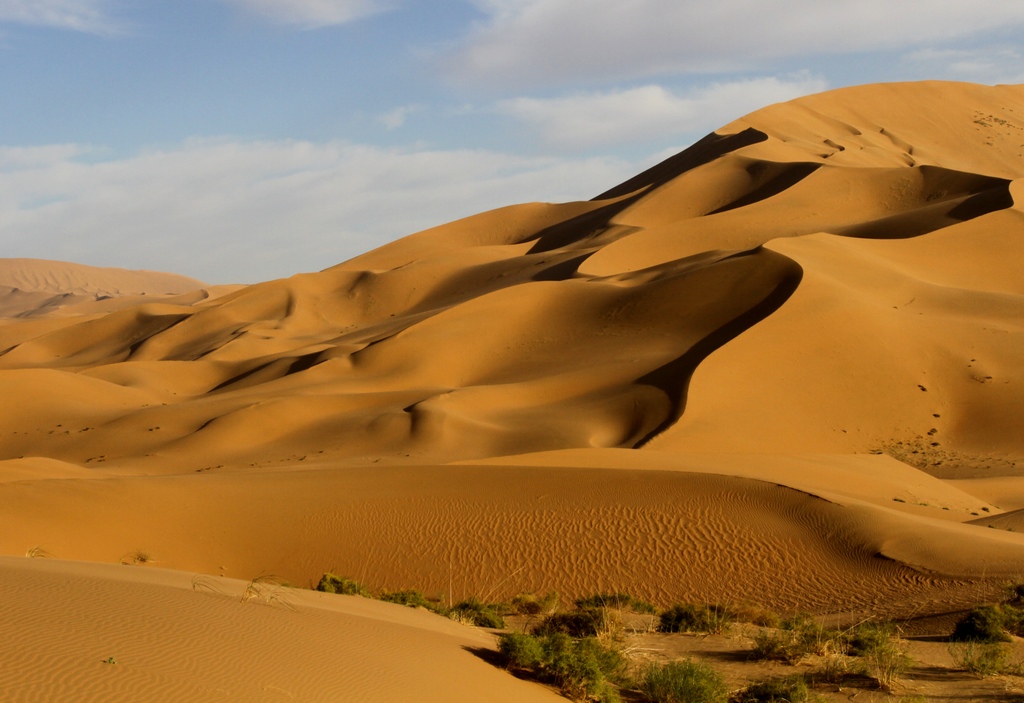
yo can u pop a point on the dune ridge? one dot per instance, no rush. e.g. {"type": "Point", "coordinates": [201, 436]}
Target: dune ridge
{"type": "Point", "coordinates": [781, 366]}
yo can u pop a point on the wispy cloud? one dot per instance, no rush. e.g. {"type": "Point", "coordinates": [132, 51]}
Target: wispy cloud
{"type": "Point", "coordinates": [989, 64]}
{"type": "Point", "coordinates": [528, 42]}
{"type": "Point", "coordinates": [312, 14]}
{"type": "Point", "coordinates": [93, 16]}
{"type": "Point", "coordinates": [598, 119]}
{"type": "Point", "coordinates": [226, 210]}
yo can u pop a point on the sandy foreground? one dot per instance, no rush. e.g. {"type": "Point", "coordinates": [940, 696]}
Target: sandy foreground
{"type": "Point", "coordinates": [782, 367]}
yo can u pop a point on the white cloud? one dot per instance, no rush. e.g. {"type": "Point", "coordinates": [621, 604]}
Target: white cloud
{"type": "Point", "coordinates": [991, 64]}
{"type": "Point", "coordinates": [529, 42]}
{"type": "Point", "coordinates": [77, 15]}
{"type": "Point", "coordinates": [245, 211]}
{"type": "Point", "coordinates": [312, 14]}
{"type": "Point", "coordinates": [394, 119]}
{"type": "Point", "coordinates": [650, 112]}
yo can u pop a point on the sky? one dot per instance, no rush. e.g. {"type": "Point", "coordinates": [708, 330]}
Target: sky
{"type": "Point", "coordinates": [237, 141]}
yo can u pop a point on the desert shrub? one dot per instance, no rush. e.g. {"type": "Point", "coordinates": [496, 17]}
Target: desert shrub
{"type": "Point", "coordinates": [754, 614]}
{"type": "Point", "coordinates": [329, 583]}
{"type": "Point", "coordinates": [868, 636]}
{"type": "Point", "coordinates": [981, 658]}
{"type": "Point", "coordinates": [796, 638]}
{"type": "Point", "coordinates": [477, 613]}
{"type": "Point", "coordinates": [520, 651]}
{"type": "Point", "coordinates": [886, 661]}
{"type": "Point", "coordinates": [532, 604]}
{"type": "Point", "coordinates": [985, 623]}
{"type": "Point", "coordinates": [687, 617]}
{"type": "Point", "coordinates": [582, 622]}
{"type": "Point", "coordinates": [683, 682]}
{"type": "Point", "coordinates": [620, 601]}
{"type": "Point", "coordinates": [413, 599]}
{"type": "Point", "coordinates": [791, 689]}
{"type": "Point", "coordinates": [1015, 592]}
{"type": "Point", "coordinates": [581, 668]}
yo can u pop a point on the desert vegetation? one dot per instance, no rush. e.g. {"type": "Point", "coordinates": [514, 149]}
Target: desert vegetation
{"type": "Point", "coordinates": [594, 649]}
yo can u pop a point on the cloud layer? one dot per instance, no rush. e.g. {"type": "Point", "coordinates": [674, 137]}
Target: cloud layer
{"type": "Point", "coordinates": [225, 211]}
{"type": "Point", "coordinates": [311, 14]}
{"type": "Point", "coordinates": [77, 15]}
{"type": "Point", "coordinates": [554, 42]}
{"type": "Point", "coordinates": [649, 112]}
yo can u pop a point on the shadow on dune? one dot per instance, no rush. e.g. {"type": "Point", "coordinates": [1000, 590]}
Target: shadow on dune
{"type": "Point", "coordinates": [674, 377]}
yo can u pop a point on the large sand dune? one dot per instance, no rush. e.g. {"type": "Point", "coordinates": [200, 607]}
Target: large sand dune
{"type": "Point", "coordinates": [783, 365]}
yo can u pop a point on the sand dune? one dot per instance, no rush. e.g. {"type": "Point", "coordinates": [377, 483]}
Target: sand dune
{"type": "Point", "coordinates": [783, 365]}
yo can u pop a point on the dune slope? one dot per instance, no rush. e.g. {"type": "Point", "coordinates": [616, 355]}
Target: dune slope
{"type": "Point", "coordinates": [783, 365]}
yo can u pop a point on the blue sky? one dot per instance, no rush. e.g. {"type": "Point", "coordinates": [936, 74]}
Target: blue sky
{"type": "Point", "coordinates": [243, 140]}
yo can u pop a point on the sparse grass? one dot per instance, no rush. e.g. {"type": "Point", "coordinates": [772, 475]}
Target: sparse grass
{"type": "Point", "coordinates": [414, 599]}
{"type": "Point", "coordinates": [682, 682]}
{"type": "Point", "coordinates": [582, 622]}
{"type": "Point", "coordinates": [268, 589]}
{"type": "Point", "coordinates": [981, 658]}
{"type": "Point", "coordinates": [688, 617]}
{"type": "Point", "coordinates": [790, 689]}
{"type": "Point", "coordinates": [796, 638]}
{"type": "Point", "coordinates": [342, 585]}
{"type": "Point", "coordinates": [532, 604]}
{"type": "Point", "coordinates": [617, 601]}
{"type": "Point", "coordinates": [886, 661]}
{"type": "Point", "coordinates": [477, 613]}
{"type": "Point", "coordinates": [137, 557]}
{"type": "Point", "coordinates": [38, 552]}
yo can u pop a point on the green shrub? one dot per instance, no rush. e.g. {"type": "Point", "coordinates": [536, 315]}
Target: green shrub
{"type": "Point", "coordinates": [687, 617]}
{"type": "Point", "coordinates": [980, 658]}
{"type": "Point", "coordinates": [985, 623]}
{"type": "Point", "coordinates": [581, 668]}
{"type": "Point", "coordinates": [329, 583]}
{"type": "Point", "coordinates": [683, 682]}
{"type": "Point", "coordinates": [886, 662]}
{"type": "Point", "coordinates": [868, 636]}
{"type": "Point", "coordinates": [796, 638]}
{"type": "Point", "coordinates": [619, 601]}
{"type": "Point", "coordinates": [583, 622]}
{"type": "Point", "coordinates": [791, 689]}
{"type": "Point", "coordinates": [520, 651]}
{"type": "Point", "coordinates": [413, 599]}
{"type": "Point", "coordinates": [477, 613]}
{"type": "Point", "coordinates": [532, 604]}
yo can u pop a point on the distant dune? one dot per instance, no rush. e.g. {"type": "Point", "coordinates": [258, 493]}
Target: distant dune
{"type": "Point", "coordinates": [782, 366]}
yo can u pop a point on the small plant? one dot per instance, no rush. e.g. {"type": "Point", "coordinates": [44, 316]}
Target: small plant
{"type": "Point", "coordinates": [887, 661]}
{"type": "Point", "coordinates": [868, 636]}
{"type": "Point", "coordinates": [582, 622]}
{"type": "Point", "coordinates": [532, 604]}
{"type": "Point", "coordinates": [38, 552]}
{"type": "Point", "coordinates": [267, 589]}
{"type": "Point", "coordinates": [796, 638]}
{"type": "Point", "coordinates": [687, 617]}
{"type": "Point", "coordinates": [582, 669]}
{"type": "Point", "coordinates": [475, 612]}
{"type": "Point", "coordinates": [414, 599]}
{"type": "Point", "coordinates": [791, 689]}
{"type": "Point", "coordinates": [110, 660]}
{"type": "Point", "coordinates": [985, 623]}
{"type": "Point", "coordinates": [137, 557]}
{"type": "Point", "coordinates": [329, 583]}
{"type": "Point", "coordinates": [981, 658]}
{"type": "Point", "coordinates": [683, 682]}
{"type": "Point", "coordinates": [618, 601]}
{"type": "Point", "coordinates": [520, 651]}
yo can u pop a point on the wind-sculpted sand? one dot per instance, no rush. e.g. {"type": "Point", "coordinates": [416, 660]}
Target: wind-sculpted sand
{"type": "Point", "coordinates": [783, 366]}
